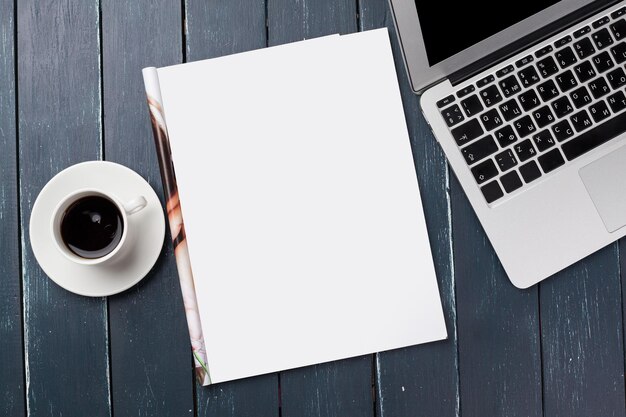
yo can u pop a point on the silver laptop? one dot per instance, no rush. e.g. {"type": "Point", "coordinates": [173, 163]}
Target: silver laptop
{"type": "Point", "coordinates": [528, 103]}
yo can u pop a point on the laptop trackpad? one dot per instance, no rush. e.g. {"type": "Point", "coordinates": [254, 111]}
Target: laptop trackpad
{"type": "Point", "coordinates": [605, 180]}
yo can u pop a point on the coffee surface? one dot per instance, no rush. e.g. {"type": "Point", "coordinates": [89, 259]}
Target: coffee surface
{"type": "Point", "coordinates": [92, 227]}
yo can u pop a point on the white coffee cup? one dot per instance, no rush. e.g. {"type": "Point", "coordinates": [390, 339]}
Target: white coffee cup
{"type": "Point", "coordinates": [125, 210]}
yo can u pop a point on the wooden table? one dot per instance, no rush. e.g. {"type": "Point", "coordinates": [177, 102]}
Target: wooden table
{"type": "Point", "coordinates": [71, 91]}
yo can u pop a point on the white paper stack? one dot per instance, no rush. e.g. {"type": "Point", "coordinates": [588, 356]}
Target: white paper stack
{"type": "Point", "coordinates": [302, 211]}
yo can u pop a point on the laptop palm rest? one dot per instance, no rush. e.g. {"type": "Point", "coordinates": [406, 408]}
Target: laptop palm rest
{"type": "Point", "coordinates": [605, 180]}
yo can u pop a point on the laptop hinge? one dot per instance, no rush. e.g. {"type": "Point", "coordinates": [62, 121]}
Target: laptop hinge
{"type": "Point", "coordinates": [529, 40]}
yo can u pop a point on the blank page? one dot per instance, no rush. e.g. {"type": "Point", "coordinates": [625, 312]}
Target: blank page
{"type": "Point", "coordinates": [301, 205]}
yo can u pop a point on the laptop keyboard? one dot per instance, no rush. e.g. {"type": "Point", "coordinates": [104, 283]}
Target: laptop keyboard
{"type": "Point", "coordinates": [544, 110]}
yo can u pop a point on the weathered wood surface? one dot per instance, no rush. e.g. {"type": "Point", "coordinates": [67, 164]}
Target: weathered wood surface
{"type": "Point", "coordinates": [582, 338]}
{"type": "Point", "coordinates": [216, 28]}
{"type": "Point", "coordinates": [11, 354]}
{"type": "Point", "coordinates": [498, 325]}
{"type": "Point", "coordinates": [554, 350]}
{"type": "Point", "coordinates": [65, 335]}
{"type": "Point", "coordinates": [149, 343]}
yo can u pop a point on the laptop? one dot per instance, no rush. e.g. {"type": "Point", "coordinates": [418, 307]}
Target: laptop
{"type": "Point", "coordinates": [528, 103]}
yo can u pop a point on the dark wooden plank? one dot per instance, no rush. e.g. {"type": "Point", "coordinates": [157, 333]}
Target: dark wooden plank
{"type": "Point", "coordinates": [295, 20]}
{"type": "Point", "coordinates": [498, 325]}
{"type": "Point", "coordinates": [11, 359]}
{"type": "Point", "coordinates": [582, 338]}
{"type": "Point", "coordinates": [66, 348]}
{"type": "Point", "coordinates": [342, 388]}
{"type": "Point", "coordinates": [223, 27]}
{"type": "Point", "coordinates": [621, 251]}
{"type": "Point", "coordinates": [250, 397]}
{"type": "Point", "coordinates": [150, 349]}
{"type": "Point", "coordinates": [217, 28]}
{"type": "Point", "coordinates": [422, 377]}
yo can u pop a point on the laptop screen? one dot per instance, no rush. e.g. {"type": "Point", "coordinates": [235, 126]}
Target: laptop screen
{"type": "Point", "coordinates": [451, 26]}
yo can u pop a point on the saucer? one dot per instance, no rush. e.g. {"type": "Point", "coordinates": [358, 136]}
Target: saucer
{"type": "Point", "coordinates": [98, 280]}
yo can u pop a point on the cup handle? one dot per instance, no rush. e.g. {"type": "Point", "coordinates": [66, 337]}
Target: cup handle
{"type": "Point", "coordinates": [135, 205]}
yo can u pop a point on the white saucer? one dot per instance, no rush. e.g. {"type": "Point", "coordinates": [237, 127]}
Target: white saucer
{"type": "Point", "coordinates": [97, 280]}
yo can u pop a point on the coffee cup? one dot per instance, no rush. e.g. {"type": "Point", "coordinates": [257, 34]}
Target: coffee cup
{"type": "Point", "coordinates": [91, 227]}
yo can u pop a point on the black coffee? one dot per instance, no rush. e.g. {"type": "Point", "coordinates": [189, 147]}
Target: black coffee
{"type": "Point", "coordinates": [92, 227]}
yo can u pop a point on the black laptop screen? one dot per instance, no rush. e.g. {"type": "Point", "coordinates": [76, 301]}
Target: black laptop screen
{"type": "Point", "coordinates": [451, 26]}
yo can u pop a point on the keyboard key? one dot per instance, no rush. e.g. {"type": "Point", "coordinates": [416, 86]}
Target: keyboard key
{"type": "Point", "coordinates": [524, 126]}
{"type": "Point", "coordinates": [547, 90]}
{"type": "Point", "coordinates": [584, 71]}
{"type": "Point", "coordinates": [525, 150]}
{"type": "Point", "coordinates": [603, 62]}
{"type": "Point", "coordinates": [506, 160]}
{"type": "Point", "coordinates": [492, 192]}
{"type": "Point", "coordinates": [584, 48]}
{"type": "Point", "coordinates": [491, 96]}
{"type": "Point", "coordinates": [452, 115]}
{"type": "Point", "coordinates": [617, 102]}
{"type": "Point", "coordinates": [504, 71]}
{"type": "Point", "coordinates": [547, 67]}
{"type": "Point", "coordinates": [600, 22]}
{"type": "Point", "coordinates": [595, 137]}
{"type": "Point", "coordinates": [543, 140]}
{"type": "Point", "coordinates": [566, 80]}
{"type": "Point", "coordinates": [528, 76]}
{"type": "Point", "coordinates": [488, 79]}
{"type": "Point", "coordinates": [565, 57]}
{"type": "Point", "coordinates": [484, 171]}
{"type": "Point", "coordinates": [545, 50]}
{"type": "Point", "coordinates": [465, 91]}
{"type": "Point", "coordinates": [467, 132]}
{"type": "Point", "coordinates": [616, 78]}
{"type": "Point", "coordinates": [581, 120]}
{"type": "Point", "coordinates": [511, 181]}
{"type": "Point", "coordinates": [478, 150]}
{"type": "Point", "coordinates": [509, 86]}
{"type": "Point", "coordinates": [472, 105]}
{"type": "Point", "coordinates": [505, 136]}
{"type": "Point", "coordinates": [619, 52]}
{"type": "Point", "coordinates": [562, 41]}
{"type": "Point", "coordinates": [510, 110]}
{"type": "Point", "coordinates": [599, 111]}
{"type": "Point", "coordinates": [580, 97]}
{"type": "Point", "coordinates": [582, 31]}
{"type": "Point", "coordinates": [526, 60]}
{"type": "Point", "coordinates": [599, 87]}
{"type": "Point", "coordinates": [562, 106]}
{"type": "Point", "coordinates": [562, 130]}
{"type": "Point", "coordinates": [491, 119]}
{"type": "Point", "coordinates": [530, 171]}
{"type": "Point", "coordinates": [619, 29]}
{"type": "Point", "coordinates": [445, 101]}
{"type": "Point", "coordinates": [619, 12]}
{"type": "Point", "coordinates": [602, 38]}
{"type": "Point", "coordinates": [551, 160]}
{"type": "Point", "coordinates": [529, 100]}
{"type": "Point", "coordinates": [543, 116]}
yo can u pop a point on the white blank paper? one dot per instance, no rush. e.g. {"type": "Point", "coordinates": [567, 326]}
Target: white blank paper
{"type": "Point", "coordinates": [301, 205]}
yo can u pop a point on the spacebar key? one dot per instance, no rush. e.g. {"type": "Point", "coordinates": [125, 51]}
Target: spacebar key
{"type": "Point", "coordinates": [595, 137]}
